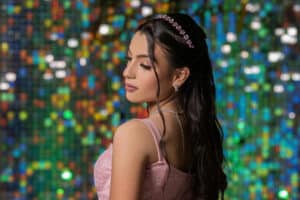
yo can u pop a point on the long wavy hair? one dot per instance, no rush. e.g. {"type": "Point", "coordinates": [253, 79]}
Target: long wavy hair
{"type": "Point", "coordinates": [196, 97]}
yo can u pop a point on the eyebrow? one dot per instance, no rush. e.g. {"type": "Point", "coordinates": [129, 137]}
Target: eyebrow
{"type": "Point", "coordinates": [140, 55]}
{"type": "Point", "coordinates": [143, 56]}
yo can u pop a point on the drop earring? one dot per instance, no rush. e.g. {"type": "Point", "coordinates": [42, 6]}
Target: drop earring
{"type": "Point", "coordinates": [176, 88]}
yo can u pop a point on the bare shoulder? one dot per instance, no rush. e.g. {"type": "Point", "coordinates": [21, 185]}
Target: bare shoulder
{"type": "Point", "coordinates": [130, 155]}
{"type": "Point", "coordinates": [131, 128]}
{"type": "Point", "coordinates": [132, 125]}
{"type": "Point", "coordinates": [133, 134]}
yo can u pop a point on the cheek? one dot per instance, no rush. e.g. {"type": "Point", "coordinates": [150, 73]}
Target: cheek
{"type": "Point", "coordinates": [151, 87]}
{"type": "Point", "coordinates": [147, 88]}
{"type": "Point", "coordinates": [165, 86]}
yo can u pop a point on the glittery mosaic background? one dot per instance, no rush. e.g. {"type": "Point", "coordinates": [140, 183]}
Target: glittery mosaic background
{"type": "Point", "coordinates": [61, 96]}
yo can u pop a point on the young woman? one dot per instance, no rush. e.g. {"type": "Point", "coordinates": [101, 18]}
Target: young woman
{"type": "Point", "coordinates": [175, 153]}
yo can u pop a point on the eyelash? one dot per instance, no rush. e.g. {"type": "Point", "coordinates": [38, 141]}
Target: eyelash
{"type": "Point", "coordinates": [147, 67]}
{"type": "Point", "coordinates": [127, 58]}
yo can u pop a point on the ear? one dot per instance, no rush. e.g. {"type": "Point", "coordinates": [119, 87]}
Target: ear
{"type": "Point", "coordinates": [180, 76]}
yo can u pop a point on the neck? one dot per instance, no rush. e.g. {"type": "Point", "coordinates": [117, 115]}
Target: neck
{"type": "Point", "coordinates": [166, 104]}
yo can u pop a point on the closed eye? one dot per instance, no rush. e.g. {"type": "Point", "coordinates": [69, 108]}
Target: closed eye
{"type": "Point", "coordinates": [127, 58]}
{"type": "Point", "coordinates": [147, 67]}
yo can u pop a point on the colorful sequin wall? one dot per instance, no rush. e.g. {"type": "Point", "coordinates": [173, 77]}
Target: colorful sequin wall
{"type": "Point", "coordinates": [61, 95]}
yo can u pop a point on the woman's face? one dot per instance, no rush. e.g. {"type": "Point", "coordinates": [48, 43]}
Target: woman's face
{"type": "Point", "coordinates": [139, 76]}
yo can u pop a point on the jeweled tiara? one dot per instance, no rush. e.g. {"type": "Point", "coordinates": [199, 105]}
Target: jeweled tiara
{"type": "Point", "coordinates": [178, 27]}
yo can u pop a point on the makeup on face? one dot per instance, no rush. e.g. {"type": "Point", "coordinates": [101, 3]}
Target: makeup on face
{"type": "Point", "coordinates": [140, 81]}
{"type": "Point", "coordinates": [144, 59]}
{"type": "Point", "coordinates": [130, 87]}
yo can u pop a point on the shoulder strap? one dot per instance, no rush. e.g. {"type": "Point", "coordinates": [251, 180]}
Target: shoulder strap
{"type": "Point", "coordinates": [156, 135]}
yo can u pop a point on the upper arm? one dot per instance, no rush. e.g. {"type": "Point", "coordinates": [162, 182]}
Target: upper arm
{"type": "Point", "coordinates": [128, 161]}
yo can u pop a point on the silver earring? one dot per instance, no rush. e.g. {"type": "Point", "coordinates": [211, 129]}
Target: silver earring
{"type": "Point", "coordinates": [176, 88]}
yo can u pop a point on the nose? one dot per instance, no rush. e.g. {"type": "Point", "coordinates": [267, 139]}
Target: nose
{"type": "Point", "coordinates": [130, 70]}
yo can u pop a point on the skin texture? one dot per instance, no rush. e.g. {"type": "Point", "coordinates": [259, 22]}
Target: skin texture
{"type": "Point", "coordinates": [133, 144]}
{"type": "Point", "coordinates": [139, 73]}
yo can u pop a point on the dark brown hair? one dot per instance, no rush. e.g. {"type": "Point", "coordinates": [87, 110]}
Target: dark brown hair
{"type": "Point", "coordinates": [196, 98]}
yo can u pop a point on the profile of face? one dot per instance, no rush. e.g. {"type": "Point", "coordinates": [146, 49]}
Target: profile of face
{"type": "Point", "coordinates": [139, 77]}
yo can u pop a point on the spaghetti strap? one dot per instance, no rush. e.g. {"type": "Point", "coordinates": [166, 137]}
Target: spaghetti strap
{"type": "Point", "coordinates": [156, 136]}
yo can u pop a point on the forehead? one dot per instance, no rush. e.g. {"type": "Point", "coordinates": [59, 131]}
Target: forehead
{"type": "Point", "coordinates": [139, 45]}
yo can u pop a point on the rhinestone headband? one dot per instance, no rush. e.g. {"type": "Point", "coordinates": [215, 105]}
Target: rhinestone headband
{"type": "Point", "coordinates": [181, 31]}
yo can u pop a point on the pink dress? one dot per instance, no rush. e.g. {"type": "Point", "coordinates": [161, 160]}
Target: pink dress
{"type": "Point", "coordinates": [177, 186]}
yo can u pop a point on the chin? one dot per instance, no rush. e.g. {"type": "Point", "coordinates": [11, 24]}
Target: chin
{"type": "Point", "coordinates": [132, 99]}
{"type": "Point", "coordinates": [136, 99]}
